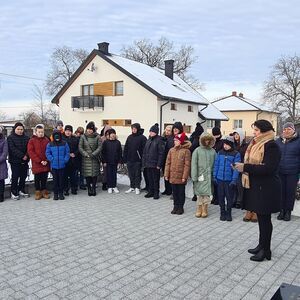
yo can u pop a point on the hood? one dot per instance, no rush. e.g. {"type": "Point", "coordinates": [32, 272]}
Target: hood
{"type": "Point", "coordinates": [241, 133]}
{"type": "Point", "coordinates": [207, 136]}
{"type": "Point", "coordinates": [185, 145]}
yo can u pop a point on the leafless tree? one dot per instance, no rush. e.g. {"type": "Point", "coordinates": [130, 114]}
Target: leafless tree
{"type": "Point", "coordinates": [52, 115]}
{"type": "Point", "coordinates": [30, 119]}
{"type": "Point", "coordinates": [154, 55]}
{"type": "Point", "coordinates": [282, 89]}
{"type": "Point", "coordinates": [3, 116]}
{"type": "Point", "coordinates": [64, 62]}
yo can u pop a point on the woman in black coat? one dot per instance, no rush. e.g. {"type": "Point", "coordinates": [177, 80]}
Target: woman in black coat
{"type": "Point", "coordinates": [262, 185]}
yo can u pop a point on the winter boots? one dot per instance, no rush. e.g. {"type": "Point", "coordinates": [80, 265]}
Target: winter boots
{"type": "Point", "coordinates": [38, 195]}
{"type": "Point", "coordinates": [45, 194]}
{"type": "Point", "coordinates": [250, 216]}
{"type": "Point", "coordinates": [198, 211]}
{"type": "Point", "coordinates": [204, 210]}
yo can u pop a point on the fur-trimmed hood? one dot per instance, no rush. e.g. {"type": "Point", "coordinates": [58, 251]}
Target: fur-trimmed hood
{"type": "Point", "coordinates": [207, 136]}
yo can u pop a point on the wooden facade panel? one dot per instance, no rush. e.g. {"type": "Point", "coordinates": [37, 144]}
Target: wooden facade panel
{"type": "Point", "coordinates": [117, 122]}
{"type": "Point", "coordinates": [104, 88]}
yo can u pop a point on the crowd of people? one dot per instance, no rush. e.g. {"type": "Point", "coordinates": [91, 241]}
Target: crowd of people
{"type": "Point", "coordinates": [259, 175]}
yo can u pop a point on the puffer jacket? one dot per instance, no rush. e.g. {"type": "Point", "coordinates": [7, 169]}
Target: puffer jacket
{"type": "Point", "coordinates": [153, 155]}
{"type": "Point", "coordinates": [58, 153]}
{"type": "Point", "coordinates": [73, 143]}
{"type": "Point", "coordinates": [111, 152]}
{"type": "Point", "coordinates": [203, 159]}
{"type": "Point", "coordinates": [3, 157]}
{"type": "Point", "coordinates": [90, 150]}
{"type": "Point", "coordinates": [37, 152]}
{"type": "Point", "coordinates": [223, 165]}
{"type": "Point", "coordinates": [290, 155]}
{"type": "Point", "coordinates": [178, 164]}
{"type": "Point", "coordinates": [17, 148]}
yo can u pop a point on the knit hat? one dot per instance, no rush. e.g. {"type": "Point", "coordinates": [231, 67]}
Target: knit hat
{"type": "Point", "coordinates": [180, 137]}
{"type": "Point", "coordinates": [289, 125]}
{"type": "Point", "coordinates": [91, 125]}
{"type": "Point", "coordinates": [263, 125]}
{"type": "Point", "coordinates": [18, 124]}
{"type": "Point", "coordinates": [38, 126]}
{"type": "Point", "coordinates": [69, 127]}
{"type": "Point", "coordinates": [154, 128]}
{"type": "Point", "coordinates": [179, 126]}
{"type": "Point", "coordinates": [229, 140]}
{"type": "Point", "coordinates": [59, 123]}
{"type": "Point", "coordinates": [110, 131]}
{"type": "Point", "coordinates": [216, 131]}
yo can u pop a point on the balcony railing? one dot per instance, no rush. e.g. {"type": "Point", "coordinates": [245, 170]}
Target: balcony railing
{"type": "Point", "coordinates": [87, 102]}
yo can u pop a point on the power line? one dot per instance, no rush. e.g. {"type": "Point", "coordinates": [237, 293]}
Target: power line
{"type": "Point", "coordinates": [21, 76]}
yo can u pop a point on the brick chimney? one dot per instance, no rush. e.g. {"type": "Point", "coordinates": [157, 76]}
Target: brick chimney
{"type": "Point", "coordinates": [103, 47]}
{"type": "Point", "coordinates": [241, 95]}
{"type": "Point", "coordinates": [234, 93]}
{"type": "Point", "coordinates": [169, 68]}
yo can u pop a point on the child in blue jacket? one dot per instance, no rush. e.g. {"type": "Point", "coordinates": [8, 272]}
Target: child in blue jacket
{"type": "Point", "coordinates": [58, 153]}
{"type": "Point", "coordinates": [225, 177]}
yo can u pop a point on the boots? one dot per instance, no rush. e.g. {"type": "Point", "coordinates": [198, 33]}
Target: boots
{"type": "Point", "coordinates": [90, 192]}
{"type": "Point", "coordinates": [104, 187]}
{"type": "Point", "coordinates": [255, 250]}
{"type": "Point", "coordinates": [174, 211]}
{"type": "Point", "coordinates": [228, 215]}
{"type": "Point", "coordinates": [45, 194]}
{"type": "Point", "coordinates": [281, 215]}
{"type": "Point", "coordinates": [223, 214]}
{"type": "Point", "coordinates": [1, 197]}
{"type": "Point", "coordinates": [180, 211]}
{"type": "Point", "coordinates": [194, 198]}
{"type": "Point", "coordinates": [261, 255]}
{"type": "Point", "coordinates": [94, 193]}
{"type": "Point", "coordinates": [254, 217]}
{"type": "Point", "coordinates": [55, 197]}
{"type": "Point", "coordinates": [204, 211]}
{"type": "Point", "coordinates": [287, 216]}
{"type": "Point", "coordinates": [38, 195]}
{"type": "Point", "coordinates": [198, 211]}
{"type": "Point", "coordinates": [61, 196]}
{"type": "Point", "coordinates": [248, 216]}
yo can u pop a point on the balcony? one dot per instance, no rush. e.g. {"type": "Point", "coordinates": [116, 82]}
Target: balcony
{"type": "Point", "coordinates": [87, 102]}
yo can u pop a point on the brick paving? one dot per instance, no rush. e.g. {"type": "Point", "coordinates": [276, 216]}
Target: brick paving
{"type": "Point", "coordinates": [128, 247]}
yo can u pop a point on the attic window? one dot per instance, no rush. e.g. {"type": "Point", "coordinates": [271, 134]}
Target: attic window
{"type": "Point", "coordinates": [119, 88]}
{"type": "Point", "coordinates": [190, 108]}
{"type": "Point", "coordinates": [173, 106]}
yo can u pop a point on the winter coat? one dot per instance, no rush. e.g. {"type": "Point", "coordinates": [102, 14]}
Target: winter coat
{"type": "Point", "coordinates": [17, 148]}
{"type": "Point", "coordinates": [90, 149]}
{"type": "Point", "coordinates": [111, 152]}
{"type": "Point", "coordinates": [169, 144]}
{"type": "Point", "coordinates": [242, 145]}
{"type": "Point", "coordinates": [178, 164]}
{"type": "Point", "coordinates": [264, 195]}
{"type": "Point", "coordinates": [153, 154]}
{"type": "Point", "coordinates": [290, 155]}
{"type": "Point", "coordinates": [218, 144]}
{"type": "Point", "coordinates": [36, 149]}
{"type": "Point", "coordinates": [203, 159]}
{"type": "Point", "coordinates": [73, 143]}
{"type": "Point", "coordinates": [223, 165]}
{"type": "Point", "coordinates": [195, 136]}
{"type": "Point", "coordinates": [3, 157]}
{"type": "Point", "coordinates": [134, 147]}
{"type": "Point", "coordinates": [58, 153]}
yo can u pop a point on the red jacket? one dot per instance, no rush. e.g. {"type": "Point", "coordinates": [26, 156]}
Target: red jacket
{"type": "Point", "coordinates": [37, 152]}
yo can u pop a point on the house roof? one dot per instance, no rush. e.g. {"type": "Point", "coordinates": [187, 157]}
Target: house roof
{"type": "Point", "coordinates": [151, 78]}
{"type": "Point", "coordinates": [210, 112]}
{"type": "Point", "coordinates": [240, 103]}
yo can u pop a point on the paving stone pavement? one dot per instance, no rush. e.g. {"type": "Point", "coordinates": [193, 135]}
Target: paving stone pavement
{"type": "Point", "coordinates": [129, 247]}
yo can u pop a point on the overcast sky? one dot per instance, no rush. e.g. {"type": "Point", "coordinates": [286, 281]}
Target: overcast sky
{"type": "Point", "coordinates": [236, 41]}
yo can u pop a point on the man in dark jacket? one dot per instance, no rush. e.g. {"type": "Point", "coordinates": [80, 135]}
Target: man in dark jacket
{"type": "Point", "coordinates": [70, 173]}
{"type": "Point", "coordinates": [153, 158]}
{"type": "Point", "coordinates": [18, 159]}
{"type": "Point", "coordinates": [133, 153]}
{"type": "Point", "coordinates": [289, 169]}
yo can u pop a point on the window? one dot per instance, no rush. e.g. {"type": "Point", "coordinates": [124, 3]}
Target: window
{"type": "Point", "coordinates": [117, 122]}
{"type": "Point", "coordinates": [190, 108]}
{"type": "Point", "coordinates": [173, 106]}
{"type": "Point", "coordinates": [87, 90]}
{"type": "Point", "coordinates": [187, 128]}
{"type": "Point", "coordinates": [210, 123]}
{"type": "Point", "coordinates": [119, 88]}
{"type": "Point", "coordinates": [237, 124]}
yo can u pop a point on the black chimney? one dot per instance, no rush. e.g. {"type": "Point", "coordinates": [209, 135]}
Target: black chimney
{"type": "Point", "coordinates": [103, 47]}
{"type": "Point", "coordinates": [169, 68]}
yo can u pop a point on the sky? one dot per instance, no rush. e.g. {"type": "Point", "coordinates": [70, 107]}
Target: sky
{"type": "Point", "coordinates": [236, 41]}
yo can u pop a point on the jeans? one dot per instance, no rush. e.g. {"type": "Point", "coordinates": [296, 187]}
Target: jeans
{"type": "Point", "coordinates": [58, 181]}
{"type": "Point", "coordinates": [134, 173]}
{"type": "Point", "coordinates": [18, 177]}
{"type": "Point", "coordinates": [40, 181]}
{"type": "Point", "coordinates": [111, 171]}
{"type": "Point", "coordinates": [265, 231]}
{"type": "Point", "coordinates": [153, 175]}
{"type": "Point", "coordinates": [225, 191]}
{"type": "Point", "coordinates": [70, 178]}
{"type": "Point", "coordinates": [178, 195]}
{"type": "Point", "coordinates": [289, 185]}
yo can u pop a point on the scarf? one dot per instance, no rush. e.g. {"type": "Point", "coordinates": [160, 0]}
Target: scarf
{"type": "Point", "coordinates": [255, 153]}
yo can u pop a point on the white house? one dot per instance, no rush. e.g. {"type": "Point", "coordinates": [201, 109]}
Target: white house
{"type": "Point", "coordinates": [110, 89]}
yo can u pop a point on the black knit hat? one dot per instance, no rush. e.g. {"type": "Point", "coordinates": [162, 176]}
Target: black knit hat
{"type": "Point", "coordinates": [179, 126]}
{"type": "Point", "coordinates": [154, 128]}
{"type": "Point", "coordinates": [229, 140]}
{"type": "Point", "coordinates": [263, 125]}
{"type": "Point", "coordinates": [216, 131]}
{"type": "Point", "coordinates": [91, 125]}
{"type": "Point", "coordinates": [69, 127]}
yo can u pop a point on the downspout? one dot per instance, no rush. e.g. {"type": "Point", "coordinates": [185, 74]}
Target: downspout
{"type": "Point", "coordinates": [161, 115]}
{"type": "Point", "coordinates": [258, 114]}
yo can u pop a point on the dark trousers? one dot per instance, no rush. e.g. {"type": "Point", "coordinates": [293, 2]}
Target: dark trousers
{"type": "Point", "coordinates": [178, 195]}
{"type": "Point", "coordinates": [70, 178]}
{"type": "Point", "coordinates": [91, 181]}
{"type": "Point", "coordinates": [288, 187]}
{"type": "Point", "coordinates": [225, 191]}
{"type": "Point", "coordinates": [215, 199]}
{"type": "Point", "coordinates": [168, 187]}
{"type": "Point", "coordinates": [265, 231]}
{"type": "Point", "coordinates": [2, 186]}
{"type": "Point", "coordinates": [40, 181]}
{"type": "Point", "coordinates": [111, 171]}
{"type": "Point", "coordinates": [58, 181]}
{"type": "Point", "coordinates": [153, 175]}
{"type": "Point", "coordinates": [134, 173]}
{"type": "Point", "coordinates": [18, 177]}
{"type": "Point", "coordinates": [80, 178]}
{"type": "Point", "coordinates": [145, 175]}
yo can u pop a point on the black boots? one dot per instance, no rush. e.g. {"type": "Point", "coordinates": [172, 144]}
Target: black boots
{"type": "Point", "coordinates": [66, 193]}
{"type": "Point", "coordinates": [194, 198]}
{"type": "Point", "coordinates": [149, 195]}
{"type": "Point", "coordinates": [261, 255]}
{"type": "Point", "coordinates": [281, 215]}
{"type": "Point", "coordinates": [1, 197]}
{"type": "Point", "coordinates": [55, 197]}
{"type": "Point", "coordinates": [90, 191]}
{"type": "Point", "coordinates": [104, 187]}
{"type": "Point", "coordinates": [174, 211]}
{"type": "Point", "coordinates": [73, 191]}
{"type": "Point", "coordinates": [228, 215]}
{"type": "Point", "coordinates": [284, 215]}
{"type": "Point", "coordinates": [254, 250]}
{"type": "Point", "coordinates": [93, 190]}
{"type": "Point", "coordinates": [61, 196]}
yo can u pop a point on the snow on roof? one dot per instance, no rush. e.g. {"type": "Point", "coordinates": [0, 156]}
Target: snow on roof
{"type": "Point", "coordinates": [212, 113]}
{"type": "Point", "coordinates": [235, 103]}
{"type": "Point", "coordinates": [158, 81]}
